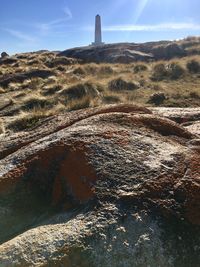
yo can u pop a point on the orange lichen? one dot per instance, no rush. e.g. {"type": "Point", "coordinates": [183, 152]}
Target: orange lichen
{"type": "Point", "coordinates": [76, 174]}
{"type": "Point", "coordinates": [9, 181]}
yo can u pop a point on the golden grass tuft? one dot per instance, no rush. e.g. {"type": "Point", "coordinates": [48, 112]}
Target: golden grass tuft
{"type": "Point", "coordinates": [111, 98]}
{"type": "Point", "coordinates": [120, 84]}
{"type": "Point", "coordinates": [82, 103]}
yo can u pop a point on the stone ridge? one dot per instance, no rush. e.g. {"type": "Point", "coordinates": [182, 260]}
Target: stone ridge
{"type": "Point", "coordinates": [126, 52]}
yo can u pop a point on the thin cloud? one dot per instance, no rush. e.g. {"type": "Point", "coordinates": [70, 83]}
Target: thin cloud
{"type": "Point", "coordinates": [68, 12]}
{"type": "Point", "coordinates": [45, 28]}
{"type": "Point", "coordinates": [20, 35]}
{"type": "Point", "coordinates": [157, 27]}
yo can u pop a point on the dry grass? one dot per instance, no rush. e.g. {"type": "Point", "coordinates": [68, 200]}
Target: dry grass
{"type": "Point", "coordinates": [82, 103]}
{"type": "Point", "coordinates": [2, 91]}
{"type": "Point", "coordinates": [111, 98]}
{"type": "Point", "coordinates": [2, 129]}
{"type": "Point", "coordinates": [77, 86]}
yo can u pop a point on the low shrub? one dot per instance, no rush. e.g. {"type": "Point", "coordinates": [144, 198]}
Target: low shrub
{"type": "Point", "coordinates": [57, 61]}
{"type": "Point", "coordinates": [159, 72]}
{"type": "Point", "coordinates": [25, 123]}
{"type": "Point", "coordinates": [79, 71]}
{"type": "Point", "coordinates": [171, 71]}
{"type": "Point", "coordinates": [193, 66]}
{"type": "Point", "coordinates": [139, 67]}
{"type": "Point", "coordinates": [37, 103]}
{"type": "Point", "coordinates": [109, 99]}
{"type": "Point", "coordinates": [175, 71]}
{"type": "Point", "coordinates": [121, 85]}
{"type": "Point", "coordinates": [60, 68]}
{"type": "Point", "coordinates": [194, 95]}
{"type": "Point", "coordinates": [106, 70]}
{"type": "Point", "coordinates": [51, 90]}
{"type": "Point", "coordinates": [79, 103]}
{"type": "Point", "coordinates": [79, 91]}
{"type": "Point", "coordinates": [157, 98]}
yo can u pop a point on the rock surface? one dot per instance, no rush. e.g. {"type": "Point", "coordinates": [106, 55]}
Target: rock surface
{"type": "Point", "coordinates": [112, 186]}
{"type": "Point", "coordinates": [111, 53]}
{"type": "Point", "coordinates": [126, 52]}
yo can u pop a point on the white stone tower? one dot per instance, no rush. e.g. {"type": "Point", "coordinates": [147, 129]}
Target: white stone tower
{"type": "Point", "coordinates": [98, 34]}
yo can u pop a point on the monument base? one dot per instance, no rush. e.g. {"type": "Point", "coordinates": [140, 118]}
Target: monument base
{"type": "Point", "coordinates": [97, 44]}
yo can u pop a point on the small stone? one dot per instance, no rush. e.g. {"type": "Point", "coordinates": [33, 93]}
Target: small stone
{"type": "Point", "coordinates": [4, 55]}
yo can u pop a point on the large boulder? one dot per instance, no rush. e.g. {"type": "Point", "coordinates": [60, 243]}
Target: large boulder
{"type": "Point", "coordinates": [110, 53]}
{"type": "Point", "coordinates": [113, 186]}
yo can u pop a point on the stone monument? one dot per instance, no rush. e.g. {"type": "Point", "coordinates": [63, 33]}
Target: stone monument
{"type": "Point", "coordinates": [98, 34]}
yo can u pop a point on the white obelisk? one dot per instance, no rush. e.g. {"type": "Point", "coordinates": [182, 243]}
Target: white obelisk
{"type": "Point", "coordinates": [98, 34]}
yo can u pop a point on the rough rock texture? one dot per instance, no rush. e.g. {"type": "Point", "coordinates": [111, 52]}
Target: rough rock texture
{"type": "Point", "coordinates": [168, 51]}
{"type": "Point", "coordinates": [126, 52]}
{"type": "Point", "coordinates": [179, 115]}
{"type": "Point", "coordinates": [113, 186]}
{"type": "Point", "coordinates": [10, 144]}
{"type": "Point", "coordinates": [113, 53]}
{"type": "Point", "coordinates": [193, 127]}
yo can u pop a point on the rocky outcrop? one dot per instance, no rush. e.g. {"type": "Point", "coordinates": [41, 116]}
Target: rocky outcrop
{"type": "Point", "coordinates": [112, 186]}
{"type": "Point", "coordinates": [111, 53]}
{"type": "Point", "coordinates": [126, 52]}
{"type": "Point", "coordinates": [168, 51]}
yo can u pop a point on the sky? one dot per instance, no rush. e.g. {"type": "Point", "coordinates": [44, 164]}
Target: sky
{"type": "Point", "coordinates": [31, 25]}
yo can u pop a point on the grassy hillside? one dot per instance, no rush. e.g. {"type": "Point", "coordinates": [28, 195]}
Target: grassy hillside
{"type": "Point", "coordinates": [36, 85]}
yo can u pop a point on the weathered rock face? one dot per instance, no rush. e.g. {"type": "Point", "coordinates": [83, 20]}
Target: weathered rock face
{"type": "Point", "coordinates": [114, 186]}
{"type": "Point", "coordinates": [111, 53]}
{"type": "Point", "coordinates": [179, 115]}
{"type": "Point", "coordinates": [168, 51]}
{"type": "Point", "coordinates": [126, 52]}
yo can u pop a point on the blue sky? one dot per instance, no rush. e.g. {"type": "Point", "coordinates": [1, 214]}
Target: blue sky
{"type": "Point", "coordinates": [29, 25]}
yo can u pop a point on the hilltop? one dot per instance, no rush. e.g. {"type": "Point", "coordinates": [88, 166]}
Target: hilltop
{"type": "Point", "coordinates": [36, 85]}
{"type": "Point", "coordinates": [131, 52]}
